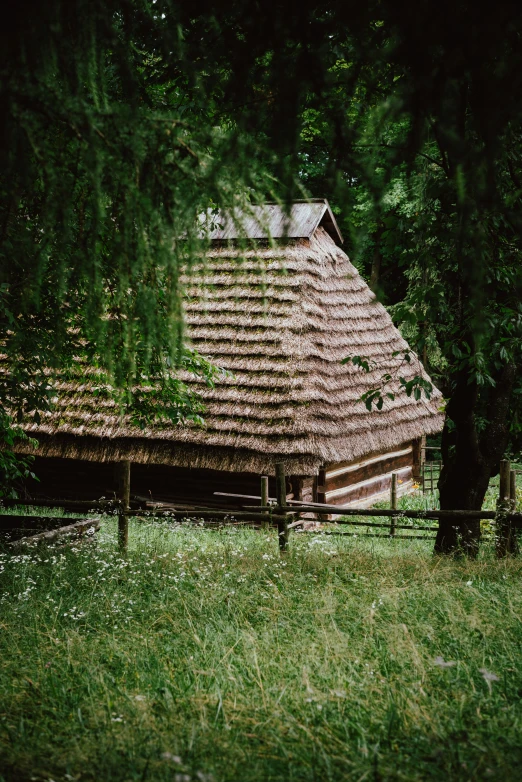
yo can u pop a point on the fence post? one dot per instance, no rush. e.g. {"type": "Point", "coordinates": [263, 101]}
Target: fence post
{"type": "Point", "coordinates": [504, 533]}
{"type": "Point", "coordinates": [282, 523]}
{"type": "Point", "coordinates": [321, 491]}
{"type": "Point", "coordinates": [513, 490]}
{"type": "Point", "coordinates": [513, 539]}
{"type": "Point", "coordinates": [417, 451]}
{"type": "Point", "coordinates": [393, 502]}
{"type": "Point", "coordinates": [264, 500]}
{"type": "Point", "coordinates": [123, 481]}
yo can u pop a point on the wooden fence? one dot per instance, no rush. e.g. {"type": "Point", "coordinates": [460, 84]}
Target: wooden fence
{"type": "Point", "coordinates": [430, 469]}
{"type": "Point", "coordinates": [290, 514]}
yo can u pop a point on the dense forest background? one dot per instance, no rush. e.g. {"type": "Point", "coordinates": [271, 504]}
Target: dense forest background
{"type": "Point", "coordinates": [121, 122]}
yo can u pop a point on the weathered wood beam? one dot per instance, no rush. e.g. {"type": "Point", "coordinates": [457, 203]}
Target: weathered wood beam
{"type": "Point", "coordinates": [79, 527]}
{"type": "Point", "coordinates": [264, 498]}
{"type": "Point", "coordinates": [405, 514]}
{"type": "Point", "coordinates": [393, 501]}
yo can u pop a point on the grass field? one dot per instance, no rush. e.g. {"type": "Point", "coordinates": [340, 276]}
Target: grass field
{"type": "Point", "coordinates": [205, 656]}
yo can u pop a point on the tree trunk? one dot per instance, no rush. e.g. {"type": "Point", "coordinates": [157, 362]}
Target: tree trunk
{"type": "Point", "coordinates": [462, 486]}
{"type": "Point", "coordinates": [469, 460]}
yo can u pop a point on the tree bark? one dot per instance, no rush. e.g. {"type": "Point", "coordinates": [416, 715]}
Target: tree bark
{"type": "Point", "coordinates": [469, 460]}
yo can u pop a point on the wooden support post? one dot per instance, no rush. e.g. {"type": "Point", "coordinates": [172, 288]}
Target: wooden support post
{"type": "Point", "coordinates": [321, 490]}
{"type": "Point", "coordinates": [513, 509]}
{"type": "Point", "coordinates": [123, 492]}
{"type": "Point", "coordinates": [423, 463]}
{"type": "Point", "coordinates": [296, 482]}
{"type": "Point", "coordinates": [393, 502]}
{"type": "Point", "coordinates": [321, 484]}
{"type": "Point", "coordinates": [264, 500]}
{"type": "Point", "coordinates": [417, 452]}
{"type": "Point", "coordinates": [513, 490]}
{"type": "Point", "coordinates": [506, 542]}
{"type": "Point", "coordinates": [282, 525]}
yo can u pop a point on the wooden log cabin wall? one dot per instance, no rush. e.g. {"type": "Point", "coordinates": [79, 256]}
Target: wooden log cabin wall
{"type": "Point", "coordinates": [368, 480]}
{"type": "Point", "coordinates": [344, 483]}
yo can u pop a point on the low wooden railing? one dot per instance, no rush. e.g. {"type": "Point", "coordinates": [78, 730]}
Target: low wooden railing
{"type": "Point", "coordinates": [287, 514]}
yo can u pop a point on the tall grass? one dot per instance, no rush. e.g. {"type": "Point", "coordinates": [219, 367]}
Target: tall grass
{"type": "Point", "coordinates": [205, 656]}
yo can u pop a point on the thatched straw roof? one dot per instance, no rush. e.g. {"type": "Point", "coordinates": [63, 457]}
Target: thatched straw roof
{"type": "Point", "coordinates": [280, 320]}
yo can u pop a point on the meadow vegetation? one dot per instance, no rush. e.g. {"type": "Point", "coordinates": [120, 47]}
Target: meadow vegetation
{"type": "Point", "coordinates": [203, 655]}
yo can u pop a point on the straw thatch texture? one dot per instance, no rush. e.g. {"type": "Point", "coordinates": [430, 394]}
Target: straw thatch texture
{"type": "Point", "coordinates": [280, 320]}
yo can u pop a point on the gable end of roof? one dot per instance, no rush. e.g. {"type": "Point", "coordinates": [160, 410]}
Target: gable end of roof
{"type": "Point", "coordinates": [300, 220]}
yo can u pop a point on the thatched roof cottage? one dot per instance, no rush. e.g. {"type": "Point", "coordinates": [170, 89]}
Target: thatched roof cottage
{"type": "Point", "coordinates": [280, 315]}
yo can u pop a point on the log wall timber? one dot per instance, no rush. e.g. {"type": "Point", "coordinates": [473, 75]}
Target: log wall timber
{"type": "Point", "coordinates": [369, 488]}
{"type": "Point", "coordinates": [338, 477]}
{"type": "Point", "coordinates": [339, 484]}
{"type": "Point", "coordinates": [346, 483]}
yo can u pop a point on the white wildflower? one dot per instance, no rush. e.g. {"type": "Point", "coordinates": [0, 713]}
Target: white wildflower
{"type": "Point", "coordinates": [171, 757]}
{"type": "Point", "coordinates": [442, 663]}
{"type": "Point", "coordinates": [488, 676]}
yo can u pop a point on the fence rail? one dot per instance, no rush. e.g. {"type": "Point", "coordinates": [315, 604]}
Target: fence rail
{"type": "Point", "coordinates": [288, 514]}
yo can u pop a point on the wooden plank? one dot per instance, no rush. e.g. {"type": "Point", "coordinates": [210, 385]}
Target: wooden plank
{"type": "Point", "coordinates": [382, 497]}
{"type": "Point", "coordinates": [78, 528]}
{"type": "Point", "coordinates": [321, 489]}
{"type": "Point", "coordinates": [337, 510]}
{"type": "Point", "coordinates": [375, 468]}
{"type": "Point", "coordinates": [243, 496]}
{"type": "Point", "coordinates": [264, 497]}
{"type": "Point", "coordinates": [393, 502]}
{"type": "Point", "coordinates": [366, 488]}
{"type": "Point", "coordinates": [337, 468]}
